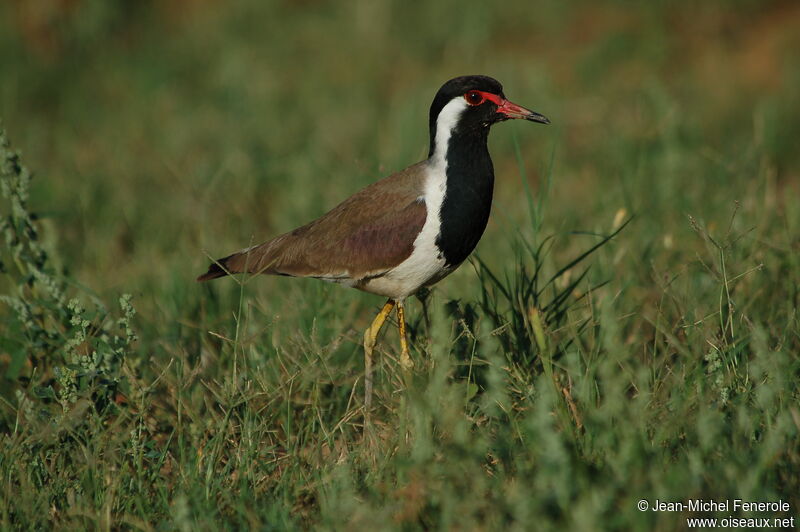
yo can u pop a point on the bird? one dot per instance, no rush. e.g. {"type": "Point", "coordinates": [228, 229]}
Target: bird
{"type": "Point", "coordinates": [408, 230]}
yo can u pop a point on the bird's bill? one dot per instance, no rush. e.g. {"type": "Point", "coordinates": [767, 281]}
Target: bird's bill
{"type": "Point", "coordinates": [512, 110]}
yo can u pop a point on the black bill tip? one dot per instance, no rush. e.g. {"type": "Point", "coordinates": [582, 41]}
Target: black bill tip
{"type": "Point", "coordinates": [536, 117]}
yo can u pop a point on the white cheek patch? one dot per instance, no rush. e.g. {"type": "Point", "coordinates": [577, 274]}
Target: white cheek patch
{"type": "Point", "coordinates": [445, 124]}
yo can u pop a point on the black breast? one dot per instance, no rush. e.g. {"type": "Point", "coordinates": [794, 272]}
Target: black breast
{"type": "Point", "coordinates": [468, 197]}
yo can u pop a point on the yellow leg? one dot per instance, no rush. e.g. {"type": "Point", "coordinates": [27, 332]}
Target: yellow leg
{"type": "Point", "coordinates": [405, 358]}
{"type": "Point", "coordinates": [370, 337]}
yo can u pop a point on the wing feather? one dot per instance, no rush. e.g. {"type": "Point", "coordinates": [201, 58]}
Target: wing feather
{"type": "Point", "coordinates": [364, 236]}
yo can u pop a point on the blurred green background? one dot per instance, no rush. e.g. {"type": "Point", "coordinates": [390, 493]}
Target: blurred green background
{"type": "Point", "coordinates": [159, 130]}
{"type": "Point", "coordinates": [162, 133]}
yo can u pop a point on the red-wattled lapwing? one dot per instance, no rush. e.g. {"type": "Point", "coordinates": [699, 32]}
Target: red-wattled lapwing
{"type": "Point", "coordinates": [408, 230]}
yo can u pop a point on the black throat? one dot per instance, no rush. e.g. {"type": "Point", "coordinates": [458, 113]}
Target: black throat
{"type": "Point", "coordinates": [468, 196]}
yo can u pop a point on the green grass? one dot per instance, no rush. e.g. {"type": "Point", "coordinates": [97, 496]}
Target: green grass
{"type": "Point", "coordinates": [554, 388]}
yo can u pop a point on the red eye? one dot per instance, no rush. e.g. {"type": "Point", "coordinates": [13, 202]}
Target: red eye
{"type": "Point", "coordinates": [474, 98]}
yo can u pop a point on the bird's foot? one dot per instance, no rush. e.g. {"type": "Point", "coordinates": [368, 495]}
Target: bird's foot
{"type": "Point", "coordinates": [405, 361]}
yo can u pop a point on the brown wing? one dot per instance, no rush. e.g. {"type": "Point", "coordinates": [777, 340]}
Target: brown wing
{"type": "Point", "coordinates": [366, 235]}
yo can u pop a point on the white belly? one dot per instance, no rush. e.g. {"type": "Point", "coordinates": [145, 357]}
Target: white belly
{"type": "Point", "coordinates": [426, 264]}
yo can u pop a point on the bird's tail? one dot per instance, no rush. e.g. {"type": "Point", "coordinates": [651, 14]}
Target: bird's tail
{"type": "Point", "coordinates": [256, 259]}
{"type": "Point", "coordinates": [234, 263]}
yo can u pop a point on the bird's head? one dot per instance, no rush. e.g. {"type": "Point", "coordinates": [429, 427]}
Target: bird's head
{"type": "Point", "coordinates": [472, 103]}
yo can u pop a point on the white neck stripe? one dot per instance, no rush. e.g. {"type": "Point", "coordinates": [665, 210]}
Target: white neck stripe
{"type": "Point", "coordinates": [426, 262]}
{"type": "Point", "coordinates": [445, 124]}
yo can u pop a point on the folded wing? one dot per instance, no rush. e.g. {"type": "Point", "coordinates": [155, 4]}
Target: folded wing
{"type": "Point", "coordinates": [364, 236]}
